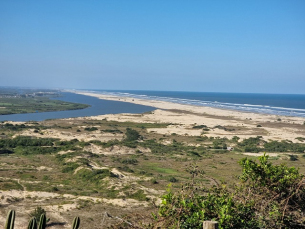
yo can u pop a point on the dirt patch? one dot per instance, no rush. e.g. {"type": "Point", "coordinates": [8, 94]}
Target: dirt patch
{"type": "Point", "coordinates": [40, 168]}
{"type": "Point", "coordinates": [68, 135]}
{"type": "Point", "coordinates": [269, 154]}
{"type": "Point", "coordinates": [113, 150]}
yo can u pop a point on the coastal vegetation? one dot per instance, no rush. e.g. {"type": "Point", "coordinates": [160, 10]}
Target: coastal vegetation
{"type": "Point", "coordinates": [268, 196]}
{"type": "Point", "coordinates": [122, 168]}
{"type": "Point", "coordinates": [38, 220]}
{"type": "Point", "coordinates": [32, 101]}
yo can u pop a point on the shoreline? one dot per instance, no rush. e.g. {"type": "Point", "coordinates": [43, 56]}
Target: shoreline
{"type": "Point", "coordinates": [158, 104]}
{"type": "Point", "coordinates": [184, 117]}
{"type": "Point", "coordinates": [244, 106]}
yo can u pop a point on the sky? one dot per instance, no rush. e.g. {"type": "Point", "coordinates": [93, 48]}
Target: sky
{"type": "Point", "coordinates": [255, 46]}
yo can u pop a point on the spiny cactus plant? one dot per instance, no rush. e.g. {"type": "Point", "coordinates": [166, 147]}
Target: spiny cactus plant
{"type": "Point", "coordinates": [42, 221]}
{"type": "Point", "coordinates": [76, 223]}
{"type": "Point", "coordinates": [32, 223]}
{"type": "Point", "coordinates": [10, 220]}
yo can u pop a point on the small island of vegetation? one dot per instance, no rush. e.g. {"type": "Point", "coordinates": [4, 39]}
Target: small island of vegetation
{"type": "Point", "coordinates": [16, 101]}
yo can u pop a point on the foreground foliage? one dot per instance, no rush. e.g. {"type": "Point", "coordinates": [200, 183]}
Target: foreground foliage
{"type": "Point", "coordinates": [269, 196]}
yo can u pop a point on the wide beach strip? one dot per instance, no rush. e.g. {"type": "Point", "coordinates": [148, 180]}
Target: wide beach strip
{"type": "Point", "coordinates": [220, 122]}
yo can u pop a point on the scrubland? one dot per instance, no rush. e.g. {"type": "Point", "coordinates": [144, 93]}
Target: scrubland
{"type": "Point", "coordinates": [114, 168]}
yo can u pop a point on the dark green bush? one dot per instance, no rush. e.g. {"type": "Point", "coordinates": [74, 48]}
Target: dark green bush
{"type": "Point", "coordinates": [173, 179]}
{"type": "Point", "coordinates": [132, 135]}
{"type": "Point", "coordinates": [132, 161]}
{"type": "Point", "coordinates": [70, 167]}
{"type": "Point", "coordinates": [93, 175]}
{"type": "Point", "coordinates": [269, 196]}
{"type": "Point", "coordinates": [90, 128]}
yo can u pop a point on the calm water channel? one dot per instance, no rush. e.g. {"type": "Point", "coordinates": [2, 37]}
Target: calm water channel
{"type": "Point", "coordinates": [97, 107]}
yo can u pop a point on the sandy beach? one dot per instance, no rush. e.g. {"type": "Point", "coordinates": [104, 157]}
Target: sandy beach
{"type": "Point", "coordinates": [184, 117]}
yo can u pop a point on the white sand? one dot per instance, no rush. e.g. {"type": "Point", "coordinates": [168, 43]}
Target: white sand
{"type": "Point", "coordinates": [244, 123]}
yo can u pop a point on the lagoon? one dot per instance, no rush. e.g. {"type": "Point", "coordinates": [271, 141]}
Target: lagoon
{"type": "Point", "coordinates": [97, 107]}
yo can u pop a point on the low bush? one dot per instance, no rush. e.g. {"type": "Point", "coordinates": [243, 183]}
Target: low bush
{"type": "Point", "coordinates": [269, 196]}
{"type": "Point", "coordinates": [90, 128]}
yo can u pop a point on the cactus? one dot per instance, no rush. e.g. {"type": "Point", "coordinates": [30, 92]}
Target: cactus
{"type": "Point", "coordinates": [10, 220]}
{"type": "Point", "coordinates": [32, 223]}
{"type": "Point", "coordinates": [76, 223]}
{"type": "Point", "coordinates": [42, 221]}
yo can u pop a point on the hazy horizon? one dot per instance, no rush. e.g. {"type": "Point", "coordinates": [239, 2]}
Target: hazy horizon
{"type": "Point", "coordinates": [130, 90]}
{"type": "Point", "coordinates": [200, 46]}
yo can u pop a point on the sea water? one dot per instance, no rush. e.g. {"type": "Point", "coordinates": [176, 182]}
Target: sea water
{"type": "Point", "coordinates": [278, 104]}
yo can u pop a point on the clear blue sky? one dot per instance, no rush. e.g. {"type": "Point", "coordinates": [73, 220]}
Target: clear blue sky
{"type": "Point", "coordinates": [197, 45]}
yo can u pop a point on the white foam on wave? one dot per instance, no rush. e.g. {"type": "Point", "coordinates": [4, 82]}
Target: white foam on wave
{"type": "Point", "coordinates": [232, 106]}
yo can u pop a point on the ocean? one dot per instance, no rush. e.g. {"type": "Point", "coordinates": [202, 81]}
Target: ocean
{"type": "Point", "coordinates": [278, 104]}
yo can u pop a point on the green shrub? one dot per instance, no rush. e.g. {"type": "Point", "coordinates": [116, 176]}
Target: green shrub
{"type": "Point", "coordinates": [90, 128]}
{"type": "Point", "coordinates": [5, 151]}
{"type": "Point", "coordinates": [54, 189]}
{"type": "Point", "coordinates": [301, 139]}
{"type": "Point", "coordinates": [154, 181]}
{"type": "Point", "coordinates": [70, 167]}
{"type": "Point", "coordinates": [200, 127]}
{"type": "Point", "coordinates": [235, 138]}
{"type": "Point", "coordinates": [10, 185]}
{"type": "Point", "coordinates": [37, 212]}
{"type": "Point", "coordinates": [94, 176]}
{"type": "Point", "coordinates": [293, 157]}
{"type": "Point", "coordinates": [126, 169]}
{"type": "Point", "coordinates": [194, 153]}
{"type": "Point", "coordinates": [284, 146]}
{"type": "Point", "coordinates": [132, 161]}
{"type": "Point", "coordinates": [269, 196]}
{"type": "Point", "coordinates": [173, 179]}
{"type": "Point", "coordinates": [132, 135]}
{"type": "Point", "coordinates": [115, 131]}
{"type": "Point", "coordinates": [138, 195]}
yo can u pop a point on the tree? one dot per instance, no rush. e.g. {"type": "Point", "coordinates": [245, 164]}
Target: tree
{"type": "Point", "coordinates": [268, 196]}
